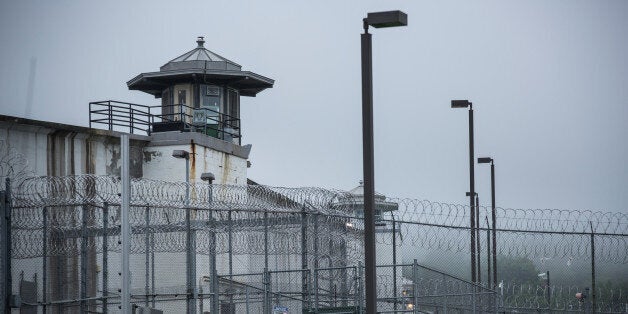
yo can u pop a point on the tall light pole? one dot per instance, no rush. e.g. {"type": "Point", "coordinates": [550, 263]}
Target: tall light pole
{"type": "Point", "coordinates": [468, 104]}
{"type": "Point", "coordinates": [377, 20]}
{"type": "Point", "coordinates": [190, 253]}
{"type": "Point", "coordinates": [209, 177]}
{"type": "Point", "coordinates": [486, 160]}
{"type": "Point", "coordinates": [478, 245]}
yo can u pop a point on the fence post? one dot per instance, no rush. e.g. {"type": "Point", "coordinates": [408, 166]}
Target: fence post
{"type": "Point", "coordinates": [230, 240]}
{"type": "Point", "coordinates": [444, 291]}
{"type": "Point", "coordinates": [304, 274]}
{"type": "Point", "coordinates": [266, 291]}
{"type": "Point", "coordinates": [152, 267]}
{"type": "Point", "coordinates": [212, 255]}
{"type": "Point", "coordinates": [265, 238]}
{"type": "Point", "coordinates": [394, 247]}
{"type": "Point", "coordinates": [360, 291]}
{"type": "Point", "coordinates": [489, 282]}
{"type": "Point", "coordinates": [190, 260]}
{"type": "Point", "coordinates": [83, 287]}
{"type": "Point", "coordinates": [415, 286]}
{"type": "Point", "coordinates": [125, 222]}
{"type": "Point", "coordinates": [105, 249]}
{"type": "Point", "coordinates": [45, 258]}
{"type": "Point", "coordinates": [315, 288]}
{"type": "Point", "coordinates": [147, 254]}
{"type": "Point", "coordinates": [593, 308]}
{"type": "Point", "coordinates": [5, 219]}
{"type": "Point", "coordinates": [316, 262]}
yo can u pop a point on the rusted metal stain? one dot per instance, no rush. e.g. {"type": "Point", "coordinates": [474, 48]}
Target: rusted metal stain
{"type": "Point", "coordinates": [192, 161]}
{"type": "Point", "coordinates": [225, 169]}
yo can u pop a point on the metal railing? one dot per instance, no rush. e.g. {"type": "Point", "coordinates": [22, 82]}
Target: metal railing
{"type": "Point", "coordinates": [120, 116]}
{"type": "Point", "coordinates": [141, 119]}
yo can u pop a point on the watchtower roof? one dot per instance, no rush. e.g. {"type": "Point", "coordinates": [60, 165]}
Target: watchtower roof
{"type": "Point", "coordinates": [201, 65]}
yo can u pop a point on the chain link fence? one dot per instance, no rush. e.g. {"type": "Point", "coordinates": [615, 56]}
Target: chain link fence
{"type": "Point", "coordinates": [258, 249]}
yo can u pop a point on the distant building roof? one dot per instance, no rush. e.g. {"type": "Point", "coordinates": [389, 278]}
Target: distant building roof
{"type": "Point", "coordinates": [355, 198]}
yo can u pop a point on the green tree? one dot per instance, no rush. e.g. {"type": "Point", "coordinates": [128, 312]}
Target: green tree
{"type": "Point", "coordinates": [516, 269]}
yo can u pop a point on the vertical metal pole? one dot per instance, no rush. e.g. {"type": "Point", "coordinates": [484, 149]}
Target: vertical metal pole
{"type": "Point", "coordinates": [6, 248]}
{"type": "Point", "coordinates": [488, 253]}
{"type": "Point", "coordinates": [190, 245]}
{"type": "Point", "coordinates": [83, 287]}
{"type": "Point", "coordinates": [472, 193]}
{"type": "Point", "coordinates": [593, 303]}
{"type": "Point", "coordinates": [9, 242]}
{"type": "Point", "coordinates": [147, 255]}
{"type": "Point", "coordinates": [105, 257]}
{"type": "Point", "coordinates": [266, 291]}
{"type": "Point", "coordinates": [415, 286]}
{"type": "Point", "coordinates": [212, 256]}
{"type": "Point", "coordinates": [265, 239]}
{"type": "Point", "coordinates": [45, 259]}
{"type": "Point", "coordinates": [200, 301]}
{"type": "Point", "coordinates": [152, 267]}
{"type": "Point", "coordinates": [247, 299]}
{"type": "Point", "coordinates": [549, 295]}
{"type": "Point", "coordinates": [444, 296]}
{"type": "Point", "coordinates": [494, 225]}
{"type": "Point", "coordinates": [316, 262]}
{"type": "Point", "coordinates": [477, 237]}
{"type": "Point", "coordinates": [316, 287]}
{"type": "Point", "coordinates": [360, 292]}
{"type": "Point", "coordinates": [369, 171]}
{"type": "Point", "coordinates": [304, 277]}
{"type": "Point", "coordinates": [394, 244]}
{"type": "Point", "coordinates": [126, 226]}
{"type": "Point", "coordinates": [230, 231]}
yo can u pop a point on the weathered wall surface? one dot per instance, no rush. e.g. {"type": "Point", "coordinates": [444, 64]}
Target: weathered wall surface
{"type": "Point", "coordinates": [58, 150]}
{"type": "Point", "coordinates": [160, 165]}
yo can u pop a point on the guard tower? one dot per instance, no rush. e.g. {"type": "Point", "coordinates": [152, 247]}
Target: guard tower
{"type": "Point", "coordinates": [200, 92]}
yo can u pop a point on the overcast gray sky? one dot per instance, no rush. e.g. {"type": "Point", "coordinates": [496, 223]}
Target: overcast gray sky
{"type": "Point", "coordinates": [548, 80]}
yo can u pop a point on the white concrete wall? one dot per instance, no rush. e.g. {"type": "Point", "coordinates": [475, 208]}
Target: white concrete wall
{"type": "Point", "coordinates": [160, 165]}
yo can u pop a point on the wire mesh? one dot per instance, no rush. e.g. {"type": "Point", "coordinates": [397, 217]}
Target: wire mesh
{"type": "Point", "coordinates": [302, 249]}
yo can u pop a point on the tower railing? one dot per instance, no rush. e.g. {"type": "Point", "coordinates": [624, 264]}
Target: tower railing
{"type": "Point", "coordinates": [145, 120]}
{"type": "Point", "coordinates": [120, 116]}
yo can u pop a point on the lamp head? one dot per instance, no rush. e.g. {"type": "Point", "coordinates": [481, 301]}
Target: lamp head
{"type": "Point", "coordinates": [460, 103]}
{"type": "Point", "coordinates": [208, 176]}
{"type": "Point", "coordinates": [179, 153]}
{"type": "Point", "coordinates": [485, 160]}
{"type": "Point", "coordinates": [387, 19]}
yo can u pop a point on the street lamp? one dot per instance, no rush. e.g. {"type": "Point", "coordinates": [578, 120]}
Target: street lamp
{"type": "Point", "coordinates": [377, 20]}
{"type": "Point", "coordinates": [209, 177]}
{"type": "Point", "coordinates": [191, 258]}
{"type": "Point", "coordinates": [486, 160]}
{"type": "Point", "coordinates": [465, 104]}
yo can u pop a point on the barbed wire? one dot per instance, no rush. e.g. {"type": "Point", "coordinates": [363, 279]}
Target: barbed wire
{"type": "Point", "coordinates": [82, 189]}
{"type": "Point", "coordinates": [158, 208]}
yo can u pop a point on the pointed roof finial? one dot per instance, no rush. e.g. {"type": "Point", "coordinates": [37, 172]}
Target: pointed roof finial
{"type": "Point", "coordinates": [200, 41]}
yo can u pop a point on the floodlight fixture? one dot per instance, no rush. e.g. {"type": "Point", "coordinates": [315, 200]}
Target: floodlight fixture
{"type": "Point", "coordinates": [208, 176]}
{"type": "Point", "coordinates": [461, 104]}
{"type": "Point", "coordinates": [485, 160]}
{"type": "Point", "coordinates": [179, 153]}
{"type": "Point", "coordinates": [386, 19]}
